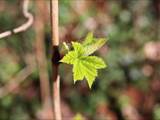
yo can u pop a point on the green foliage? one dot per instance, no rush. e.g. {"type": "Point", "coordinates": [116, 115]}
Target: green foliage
{"type": "Point", "coordinates": [78, 117]}
{"type": "Point", "coordinates": [156, 112]}
{"type": "Point", "coordinates": [85, 66]}
{"type": "Point", "coordinates": [92, 44]}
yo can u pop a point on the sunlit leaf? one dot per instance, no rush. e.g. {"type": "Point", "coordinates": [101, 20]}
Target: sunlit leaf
{"type": "Point", "coordinates": [95, 45]}
{"type": "Point", "coordinates": [85, 66]}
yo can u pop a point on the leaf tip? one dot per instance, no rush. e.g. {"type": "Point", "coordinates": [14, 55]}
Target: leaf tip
{"type": "Point", "coordinates": [90, 85]}
{"type": "Point", "coordinates": [74, 81]}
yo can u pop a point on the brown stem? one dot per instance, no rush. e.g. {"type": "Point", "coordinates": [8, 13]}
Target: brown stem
{"type": "Point", "coordinates": [55, 58]}
{"type": "Point", "coordinates": [54, 22]}
{"type": "Point", "coordinates": [15, 82]}
{"type": "Point", "coordinates": [40, 53]}
{"type": "Point", "coordinates": [57, 107]}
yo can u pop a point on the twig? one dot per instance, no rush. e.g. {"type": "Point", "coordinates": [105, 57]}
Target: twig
{"type": "Point", "coordinates": [56, 97]}
{"type": "Point", "coordinates": [24, 26]}
{"type": "Point", "coordinates": [41, 56]}
{"type": "Point", "coordinates": [55, 58]}
{"type": "Point", "coordinates": [54, 22]}
{"type": "Point", "coordinates": [16, 81]}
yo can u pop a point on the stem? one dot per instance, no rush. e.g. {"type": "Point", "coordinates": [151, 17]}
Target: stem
{"type": "Point", "coordinates": [55, 58]}
{"type": "Point", "coordinates": [40, 52]}
{"type": "Point", "coordinates": [24, 26]}
{"type": "Point", "coordinates": [54, 22]}
{"type": "Point", "coordinates": [57, 107]}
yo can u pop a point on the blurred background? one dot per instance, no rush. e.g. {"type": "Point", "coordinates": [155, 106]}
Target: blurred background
{"type": "Point", "coordinates": [128, 89]}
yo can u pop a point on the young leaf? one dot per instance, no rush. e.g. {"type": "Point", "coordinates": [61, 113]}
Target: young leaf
{"type": "Point", "coordinates": [78, 71]}
{"type": "Point", "coordinates": [82, 68]}
{"type": "Point", "coordinates": [92, 44]}
{"type": "Point", "coordinates": [78, 48]}
{"type": "Point", "coordinates": [66, 47]}
{"type": "Point", "coordinates": [69, 58]}
{"type": "Point", "coordinates": [89, 39]}
{"type": "Point", "coordinates": [85, 66]}
{"type": "Point", "coordinates": [91, 48]}
{"type": "Point", "coordinates": [97, 62]}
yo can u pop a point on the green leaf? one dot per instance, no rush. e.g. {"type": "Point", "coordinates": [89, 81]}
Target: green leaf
{"type": "Point", "coordinates": [89, 39]}
{"type": "Point", "coordinates": [82, 68]}
{"type": "Point", "coordinates": [91, 48]}
{"type": "Point", "coordinates": [97, 62]}
{"type": "Point", "coordinates": [78, 71]}
{"type": "Point", "coordinates": [78, 48]}
{"type": "Point", "coordinates": [85, 66]}
{"type": "Point", "coordinates": [69, 58]}
{"type": "Point", "coordinates": [66, 47]}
